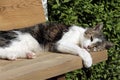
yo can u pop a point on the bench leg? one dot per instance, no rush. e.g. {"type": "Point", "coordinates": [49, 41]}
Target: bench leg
{"type": "Point", "coordinates": [61, 77]}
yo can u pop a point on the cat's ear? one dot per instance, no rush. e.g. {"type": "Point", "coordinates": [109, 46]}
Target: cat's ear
{"type": "Point", "coordinates": [98, 27]}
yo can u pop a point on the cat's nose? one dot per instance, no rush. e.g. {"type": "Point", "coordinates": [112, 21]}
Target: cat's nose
{"type": "Point", "coordinates": [85, 47]}
{"type": "Point", "coordinates": [88, 47]}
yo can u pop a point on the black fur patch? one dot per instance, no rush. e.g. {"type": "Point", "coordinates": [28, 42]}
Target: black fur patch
{"type": "Point", "coordinates": [6, 37]}
{"type": "Point", "coordinates": [51, 32]}
{"type": "Point", "coordinates": [45, 33]}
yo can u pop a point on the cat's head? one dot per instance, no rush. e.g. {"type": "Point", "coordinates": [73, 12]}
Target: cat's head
{"type": "Point", "coordinates": [94, 38]}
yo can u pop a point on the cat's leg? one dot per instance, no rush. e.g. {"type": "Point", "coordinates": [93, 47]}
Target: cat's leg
{"type": "Point", "coordinates": [7, 54]}
{"type": "Point", "coordinates": [12, 57]}
{"type": "Point", "coordinates": [76, 50]}
{"type": "Point", "coordinates": [28, 55]}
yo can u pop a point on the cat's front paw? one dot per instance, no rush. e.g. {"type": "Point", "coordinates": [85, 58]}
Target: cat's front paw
{"type": "Point", "coordinates": [86, 57]}
{"type": "Point", "coordinates": [88, 62]}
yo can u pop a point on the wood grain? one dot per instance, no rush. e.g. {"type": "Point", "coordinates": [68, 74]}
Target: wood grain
{"type": "Point", "coordinates": [20, 13]}
{"type": "Point", "coordinates": [44, 66]}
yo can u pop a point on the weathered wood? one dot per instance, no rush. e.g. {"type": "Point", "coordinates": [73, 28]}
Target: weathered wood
{"type": "Point", "coordinates": [20, 13]}
{"type": "Point", "coordinates": [44, 66]}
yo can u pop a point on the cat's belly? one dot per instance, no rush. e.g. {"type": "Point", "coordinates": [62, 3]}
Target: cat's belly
{"type": "Point", "coordinates": [21, 46]}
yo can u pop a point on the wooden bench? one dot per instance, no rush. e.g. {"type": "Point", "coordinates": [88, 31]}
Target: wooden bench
{"type": "Point", "coordinates": [45, 66]}
{"type": "Point", "coordinates": [22, 13]}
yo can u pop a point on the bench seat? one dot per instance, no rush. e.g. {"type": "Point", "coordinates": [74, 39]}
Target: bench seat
{"type": "Point", "coordinates": [45, 66]}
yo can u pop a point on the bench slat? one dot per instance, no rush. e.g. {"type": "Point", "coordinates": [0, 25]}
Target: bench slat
{"type": "Point", "coordinates": [44, 66]}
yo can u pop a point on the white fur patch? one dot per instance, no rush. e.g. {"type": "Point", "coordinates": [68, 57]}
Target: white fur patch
{"type": "Point", "coordinates": [70, 44]}
{"type": "Point", "coordinates": [87, 42]}
{"type": "Point", "coordinates": [74, 35]}
{"type": "Point", "coordinates": [23, 45]}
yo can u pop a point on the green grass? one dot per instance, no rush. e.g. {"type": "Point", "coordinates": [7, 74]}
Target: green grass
{"type": "Point", "coordinates": [88, 13]}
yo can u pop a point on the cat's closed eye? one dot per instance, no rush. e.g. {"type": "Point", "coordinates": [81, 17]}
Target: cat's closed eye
{"type": "Point", "coordinates": [91, 38]}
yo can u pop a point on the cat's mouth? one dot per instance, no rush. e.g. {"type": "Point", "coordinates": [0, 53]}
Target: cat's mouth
{"type": "Point", "coordinates": [90, 49]}
{"type": "Point", "coordinates": [86, 48]}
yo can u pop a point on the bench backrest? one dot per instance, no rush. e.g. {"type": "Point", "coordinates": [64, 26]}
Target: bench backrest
{"type": "Point", "coordinates": [20, 13]}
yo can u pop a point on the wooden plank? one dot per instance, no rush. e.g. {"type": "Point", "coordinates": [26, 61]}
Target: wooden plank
{"type": "Point", "coordinates": [45, 66]}
{"type": "Point", "coordinates": [99, 56]}
{"type": "Point", "coordinates": [20, 13]}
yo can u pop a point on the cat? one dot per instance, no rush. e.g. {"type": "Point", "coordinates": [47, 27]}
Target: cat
{"type": "Point", "coordinates": [50, 36]}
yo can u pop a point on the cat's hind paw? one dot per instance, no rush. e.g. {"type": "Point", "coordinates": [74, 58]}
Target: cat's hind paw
{"type": "Point", "coordinates": [12, 58]}
{"type": "Point", "coordinates": [31, 55]}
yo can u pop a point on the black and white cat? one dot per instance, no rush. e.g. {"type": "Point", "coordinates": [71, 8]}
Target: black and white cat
{"type": "Point", "coordinates": [31, 41]}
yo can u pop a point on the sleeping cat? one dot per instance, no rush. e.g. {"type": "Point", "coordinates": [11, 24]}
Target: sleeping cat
{"type": "Point", "coordinates": [98, 46]}
{"type": "Point", "coordinates": [50, 36]}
